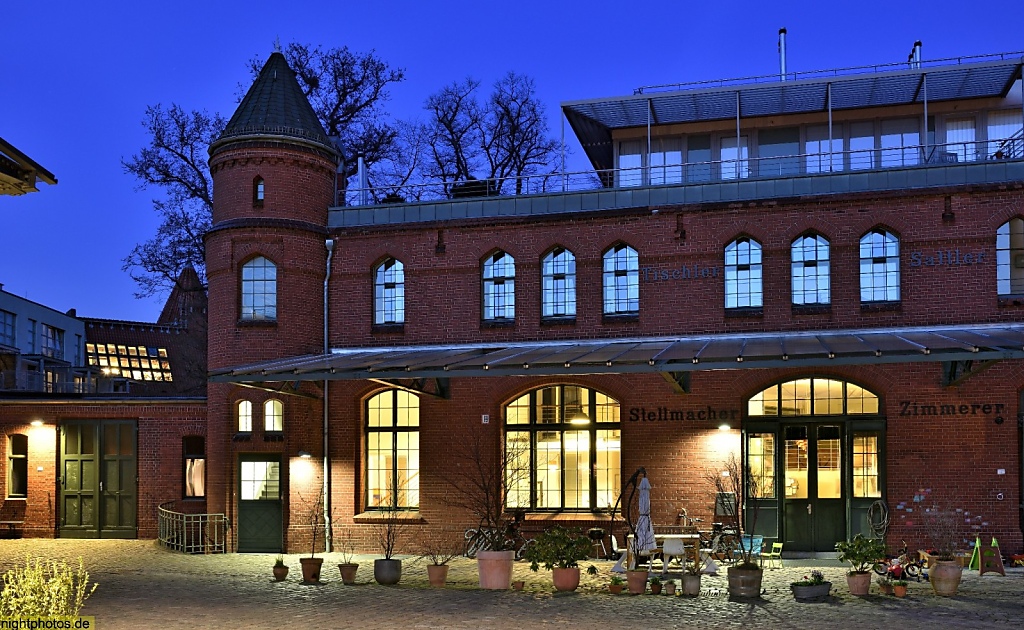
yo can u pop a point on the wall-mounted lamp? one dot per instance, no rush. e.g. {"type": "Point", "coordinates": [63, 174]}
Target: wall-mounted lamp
{"type": "Point", "coordinates": [36, 423]}
{"type": "Point", "coordinates": [304, 454]}
{"type": "Point", "coordinates": [723, 427]}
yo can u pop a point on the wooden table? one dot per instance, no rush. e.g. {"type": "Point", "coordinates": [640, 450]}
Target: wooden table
{"type": "Point", "coordinates": [627, 559]}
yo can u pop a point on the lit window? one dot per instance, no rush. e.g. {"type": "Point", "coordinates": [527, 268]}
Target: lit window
{"type": "Point", "coordinates": [52, 342]}
{"type": "Point", "coordinates": [260, 481]}
{"type": "Point", "coordinates": [258, 189]}
{"type": "Point", "coordinates": [743, 274]}
{"type": "Point", "coordinates": [866, 457]}
{"type": "Point", "coordinates": [810, 270]}
{"type": "Point", "coordinates": [148, 362]}
{"type": "Point", "coordinates": [960, 139]}
{"type": "Point", "coordinates": [244, 416]}
{"type": "Point", "coordinates": [1010, 257]}
{"type": "Point", "coordinates": [389, 293]}
{"type": "Point", "coordinates": [17, 465]}
{"type": "Point", "coordinates": [273, 416]}
{"type": "Point", "coordinates": [879, 267]}
{"type": "Point", "coordinates": [558, 291]}
{"type": "Point", "coordinates": [761, 463]}
{"type": "Point", "coordinates": [499, 287]}
{"type": "Point", "coordinates": [7, 328]}
{"type": "Point", "coordinates": [813, 396]}
{"type": "Point", "coordinates": [563, 446]}
{"type": "Point", "coordinates": [194, 452]}
{"type": "Point", "coordinates": [393, 450]}
{"type": "Point", "coordinates": [259, 289]}
{"type": "Point", "coordinates": [621, 281]}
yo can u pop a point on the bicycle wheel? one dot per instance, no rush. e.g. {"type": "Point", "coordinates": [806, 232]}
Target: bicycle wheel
{"type": "Point", "coordinates": [521, 552]}
{"type": "Point", "coordinates": [473, 540]}
{"type": "Point", "coordinates": [913, 570]}
{"type": "Point", "coordinates": [881, 568]}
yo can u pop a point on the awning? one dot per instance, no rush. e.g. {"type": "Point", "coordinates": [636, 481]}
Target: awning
{"type": "Point", "coordinates": [668, 355]}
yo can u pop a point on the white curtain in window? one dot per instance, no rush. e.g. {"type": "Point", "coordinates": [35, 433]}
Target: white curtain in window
{"type": "Point", "coordinates": [1002, 125]}
{"type": "Point", "coordinates": [631, 163]}
{"type": "Point", "coordinates": [960, 139]}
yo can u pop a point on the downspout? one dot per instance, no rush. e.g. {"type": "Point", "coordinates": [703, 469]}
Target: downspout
{"type": "Point", "coordinates": [329, 243]}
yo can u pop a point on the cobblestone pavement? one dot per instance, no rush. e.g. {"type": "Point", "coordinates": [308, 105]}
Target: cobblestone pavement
{"type": "Point", "coordinates": [144, 586]}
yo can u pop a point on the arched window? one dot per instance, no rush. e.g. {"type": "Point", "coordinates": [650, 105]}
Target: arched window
{"type": "Point", "coordinates": [259, 289]}
{"type": "Point", "coordinates": [743, 274]}
{"type": "Point", "coordinates": [393, 450]}
{"type": "Point", "coordinates": [17, 466]}
{"type": "Point", "coordinates": [621, 281]}
{"type": "Point", "coordinates": [810, 270]}
{"type": "Point", "coordinates": [879, 267]}
{"type": "Point", "coordinates": [1010, 257]}
{"type": "Point", "coordinates": [389, 293]}
{"type": "Point", "coordinates": [244, 408]}
{"type": "Point", "coordinates": [558, 283]}
{"type": "Point", "coordinates": [499, 287]}
{"type": "Point", "coordinates": [562, 445]}
{"type": "Point", "coordinates": [258, 190]}
{"type": "Point", "coordinates": [273, 415]}
{"type": "Point", "coordinates": [813, 397]}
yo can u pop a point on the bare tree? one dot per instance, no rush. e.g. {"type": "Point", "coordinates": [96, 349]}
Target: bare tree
{"type": "Point", "coordinates": [737, 493]}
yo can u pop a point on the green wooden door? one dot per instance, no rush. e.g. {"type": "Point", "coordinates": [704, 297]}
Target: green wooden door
{"type": "Point", "coordinates": [813, 487]}
{"type": "Point", "coordinates": [260, 514]}
{"type": "Point", "coordinates": [98, 482]}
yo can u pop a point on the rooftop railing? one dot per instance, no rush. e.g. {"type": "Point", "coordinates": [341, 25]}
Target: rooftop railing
{"type": "Point", "coordinates": [691, 173]}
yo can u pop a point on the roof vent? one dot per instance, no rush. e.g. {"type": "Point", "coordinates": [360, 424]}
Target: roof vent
{"type": "Point", "coordinates": [914, 58]}
{"type": "Point", "coordinates": [782, 54]}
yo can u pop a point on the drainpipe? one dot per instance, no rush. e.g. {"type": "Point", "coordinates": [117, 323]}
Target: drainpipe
{"type": "Point", "coordinates": [329, 243]}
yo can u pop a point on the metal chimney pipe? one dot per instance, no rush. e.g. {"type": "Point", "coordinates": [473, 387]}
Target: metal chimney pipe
{"type": "Point", "coordinates": [915, 55]}
{"type": "Point", "coordinates": [364, 194]}
{"type": "Point", "coordinates": [782, 54]}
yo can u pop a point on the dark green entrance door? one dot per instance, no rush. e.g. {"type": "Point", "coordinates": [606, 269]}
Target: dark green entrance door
{"type": "Point", "coordinates": [814, 504]}
{"type": "Point", "coordinates": [98, 479]}
{"type": "Point", "coordinates": [260, 527]}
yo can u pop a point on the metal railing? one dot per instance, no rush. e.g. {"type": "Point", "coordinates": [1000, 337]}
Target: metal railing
{"type": "Point", "coordinates": [191, 532]}
{"type": "Point", "coordinates": [53, 381]}
{"type": "Point", "coordinates": [717, 171]}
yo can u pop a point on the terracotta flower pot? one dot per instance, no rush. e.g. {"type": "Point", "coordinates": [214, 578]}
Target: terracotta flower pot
{"type": "Point", "coordinates": [437, 574]}
{"type": "Point", "coordinates": [348, 572]}
{"type": "Point", "coordinates": [495, 569]}
{"type": "Point", "coordinates": [656, 588]}
{"type": "Point", "coordinates": [670, 588]}
{"type": "Point", "coordinates": [311, 570]}
{"type": "Point", "coordinates": [518, 585]}
{"type": "Point", "coordinates": [900, 591]}
{"type": "Point", "coordinates": [945, 577]}
{"type": "Point", "coordinates": [637, 581]}
{"type": "Point", "coordinates": [746, 582]}
{"type": "Point", "coordinates": [280, 573]}
{"type": "Point", "coordinates": [615, 589]}
{"type": "Point", "coordinates": [886, 589]}
{"type": "Point", "coordinates": [859, 583]}
{"type": "Point", "coordinates": [565, 579]}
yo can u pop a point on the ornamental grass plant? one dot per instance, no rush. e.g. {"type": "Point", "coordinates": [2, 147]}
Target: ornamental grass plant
{"type": "Point", "coordinates": [45, 588]}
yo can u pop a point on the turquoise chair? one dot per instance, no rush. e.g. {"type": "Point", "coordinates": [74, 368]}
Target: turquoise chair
{"type": "Point", "coordinates": [752, 543]}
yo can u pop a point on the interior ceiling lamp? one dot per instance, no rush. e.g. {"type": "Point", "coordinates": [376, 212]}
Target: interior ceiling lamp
{"type": "Point", "coordinates": [580, 417]}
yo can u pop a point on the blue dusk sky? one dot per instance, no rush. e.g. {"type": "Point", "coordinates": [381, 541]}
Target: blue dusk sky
{"type": "Point", "coordinates": [79, 75]}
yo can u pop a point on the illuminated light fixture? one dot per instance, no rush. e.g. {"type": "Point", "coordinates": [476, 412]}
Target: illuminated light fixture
{"type": "Point", "coordinates": [36, 423]}
{"type": "Point", "coordinates": [785, 357]}
{"type": "Point", "coordinates": [723, 427]}
{"type": "Point", "coordinates": [305, 454]}
{"type": "Point", "coordinates": [580, 417]}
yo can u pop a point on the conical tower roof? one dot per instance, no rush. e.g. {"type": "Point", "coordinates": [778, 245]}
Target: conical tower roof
{"type": "Point", "coordinates": [275, 106]}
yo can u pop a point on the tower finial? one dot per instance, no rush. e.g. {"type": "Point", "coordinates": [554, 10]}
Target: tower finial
{"type": "Point", "coordinates": [277, 44]}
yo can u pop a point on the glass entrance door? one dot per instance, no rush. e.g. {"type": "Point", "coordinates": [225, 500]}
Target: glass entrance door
{"type": "Point", "coordinates": [260, 516]}
{"type": "Point", "coordinates": [814, 506]}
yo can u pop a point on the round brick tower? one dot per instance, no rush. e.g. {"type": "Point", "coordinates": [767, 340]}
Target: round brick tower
{"type": "Point", "coordinates": [273, 172]}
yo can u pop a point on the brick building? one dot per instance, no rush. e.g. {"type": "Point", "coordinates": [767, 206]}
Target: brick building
{"type": "Point", "coordinates": [821, 275]}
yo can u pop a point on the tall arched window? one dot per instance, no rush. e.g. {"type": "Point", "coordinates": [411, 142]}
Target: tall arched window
{"type": "Point", "coordinates": [621, 281]}
{"type": "Point", "coordinates": [558, 283]}
{"type": "Point", "coordinates": [499, 287]}
{"type": "Point", "coordinates": [810, 270]}
{"type": "Point", "coordinates": [1010, 257]}
{"type": "Point", "coordinates": [259, 289]}
{"type": "Point", "coordinates": [743, 274]}
{"type": "Point", "coordinates": [273, 416]}
{"type": "Point", "coordinates": [244, 408]}
{"type": "Point", "coordinates": [393, 450]}
{"type": "Point", "coordinates": [562, 444]}
{"type": "Point", "coordinates": [389, 293]}
{"type": "Point", "coordinates": [879, 267]}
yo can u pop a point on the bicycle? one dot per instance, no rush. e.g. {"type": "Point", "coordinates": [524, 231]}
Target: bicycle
{"type": "Point", "coordinates": [719, 542]}
{"type": "Point", "coordinates": [899, 565]}
{"type": "Point", "coordinates": [480, 539]}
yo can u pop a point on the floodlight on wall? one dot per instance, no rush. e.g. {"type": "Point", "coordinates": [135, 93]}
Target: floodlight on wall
{"type": "Point", "coordinates": [305, 454]}
{"type": "Point", "coordinates": [36, 423]}
{"type": "Point", "coordinates": [723, 427]}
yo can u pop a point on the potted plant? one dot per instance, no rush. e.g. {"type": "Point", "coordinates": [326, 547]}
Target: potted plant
{"type": "Point", "coordinates": [616, 585]}
{"type": "Point", "coordinates": [945, 532]}
{"type": "Point", "coordinates": [388, 570]}
{"type": "Point", "coordinates": [884, 583]}
{"type": "Point", "coordinates": [479, 480]}
{"type": "Point", "coordinates": [861, 553]}
{"type": "Point", "coordinates": [734, 479]}
{"type": "Point", "coordinates": [344, 545]}
{"type": "Point", "coordinates": [811, 589]}
{"type": "Point", "coordinates": [315, 517]}
{"type": "Point", "coordinates": [560, 550]}
{"type": "Point", "coordinates": [670, 588]}
{"type": "Point", "coordinates": [899, 588]}
{"type": "Point", "coordinates": [280, 569]}
{"type": "Point", "coordinates": [655, 585]}
{"type": "Point", "coordinates": [692, 570]}
{"type": "Point", "coordinates": [439, 552]}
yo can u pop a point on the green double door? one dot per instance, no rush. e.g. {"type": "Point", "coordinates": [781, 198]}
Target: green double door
{"type": "Point", "coordinates": [98, 479]}
{"type": "Point", "coordinates": [814, 492]}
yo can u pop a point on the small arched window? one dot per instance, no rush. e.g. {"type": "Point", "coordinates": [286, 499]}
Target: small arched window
{"type": "Point", "coordinates": [244, 416]}
{"type": "Point", "coordinates": [743, 287]}
{"type": "Point", "coordinates": [258, 190]}
{"type": "Point", "coordinates": [558, 278]}
{"type": "Point", "coordinates": [389, 292]}
{"type": "Point", "coordinates": [621, 281]}
{"type": "Point", "coordinates": [810, 270]}
{"type": "Point", "coordinates": [273, 416]}
{"type": "Point", "coordinates": [879, 267]}
{"type": "Point", "coordinates": [1010, 257]}
{"type": "Point", "coordinates": [499, 287]}
{"type": "Point", "coordinates": [259, 289]}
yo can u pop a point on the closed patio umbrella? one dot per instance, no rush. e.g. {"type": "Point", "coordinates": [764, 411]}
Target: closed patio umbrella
{"type": "Point", "coordinates": [644, 528]}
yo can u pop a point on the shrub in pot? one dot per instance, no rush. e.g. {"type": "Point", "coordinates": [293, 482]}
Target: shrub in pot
{"type": "Point", "coordinates": [899, 588]}
{"type": "Point", "coordinates": [280, 569]}
{"type": "Point", "coordinates": [945, 531]}
{"type": "Point", "coordinates": [560, 550]}
{"type": "Point", "coordinates": [345, 547]}
{"type": "Point", "coordinates": [734, 478]}
{"type": "Point", "coordinates": [387, 531]}
{"type": "Point", "coordinates": [655, 585]}
{"type": "Point", "coordinates": [314, 515]}
{"type": "Point", "coordinates": [861, 553]}
{"type": "Point", "coordinates": [884, 584]}
{"type": "Point", "coordinates": [616, 585]}
{"type": "Point", "coordinates": [439, 552]}
{"type": "Point", "coordinates": [813, 588]}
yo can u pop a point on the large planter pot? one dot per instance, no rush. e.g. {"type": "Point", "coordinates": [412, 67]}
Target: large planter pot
{"type": "Point", "coordinates": [387, 572]}
{"type": "Point", "coordinates": [495, 569]}
{"type": "Point", "coordinates": [311, 569]}
{"type": "Point", "coordinates": [348, 572]}
{"type": "Point", "coordinates": [900, 591]}
{"type": "Point", "coordinates": [691, 584]}
{"type": "Point", "coordinates": [945, 577]}
{"type": "Point", "coordinates": [280, 573]}
{"type": "Point", "coordinates": [745, 582]}
{"type": "Point", "coordinates": [637, 581]}
{"type": "Point", "coordinates": [437, 574]}
{"type": "Point", "coordinates": [811, 593]}
{"type": "Point", "coordinates": [859, 583]}
{"type": "Point", "coordinates": [565, 579]}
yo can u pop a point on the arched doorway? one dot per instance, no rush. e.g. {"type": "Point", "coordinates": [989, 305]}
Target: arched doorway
{"type": "Point", "coordinates": [815, 447]}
